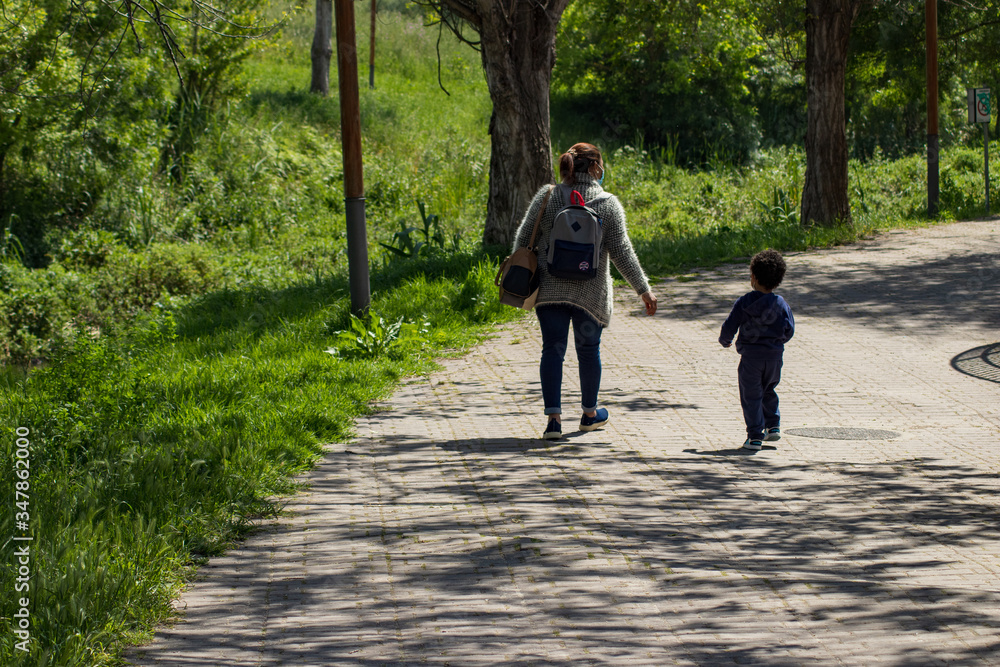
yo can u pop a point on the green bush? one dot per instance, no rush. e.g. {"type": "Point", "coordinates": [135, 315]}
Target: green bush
{"type": "Point", "coordinates": [42, 309]}
{"type": "Point", "coordinates": [86, 248]}
{"type": "Point", "coordinates": [134, 281]}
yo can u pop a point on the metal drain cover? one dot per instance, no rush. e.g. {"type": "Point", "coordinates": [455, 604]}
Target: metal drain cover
{"type": "Point", "coordinates": [839, 433]}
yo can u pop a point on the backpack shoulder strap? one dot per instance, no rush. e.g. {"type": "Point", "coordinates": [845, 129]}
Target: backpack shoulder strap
{"type": "Point", "coordinates": [538, 220]}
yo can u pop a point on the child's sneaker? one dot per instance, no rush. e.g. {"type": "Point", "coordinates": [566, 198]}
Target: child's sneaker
{"type": "Point", "coordinates": [553, 431]}
{"type": "Point", "coordinates": [772, 434]}
{"type": "Point", "coordinates": [595, 422]}
{"type": "Point", "coordinates": [753, 445]}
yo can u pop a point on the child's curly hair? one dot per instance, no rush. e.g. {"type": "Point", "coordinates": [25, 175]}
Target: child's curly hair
{"type": "Point", "coordinates": [768, 266]}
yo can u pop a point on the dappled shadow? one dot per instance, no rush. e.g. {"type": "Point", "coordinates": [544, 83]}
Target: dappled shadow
{"type": "Point", "coordinates": [650, 401]}
{"type": "Point", "coordinates": [527, 552]}
{"type": "Point", "coordinates": [981, 362]}
{"type": "Point", "coordinates": [594, 551]}
{"type": "Point", "coordinates": [508, 445]}
{"type": "Point", "coordinates": [921, 297]}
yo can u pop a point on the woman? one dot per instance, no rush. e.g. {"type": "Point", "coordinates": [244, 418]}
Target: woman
{"type": "Point", "coordinates": [585, 303]}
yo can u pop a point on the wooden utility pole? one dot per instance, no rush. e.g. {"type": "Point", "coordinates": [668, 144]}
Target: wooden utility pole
{"type": "Point", "coordinates": [371, 52]}
{"type": "Point", "coordinates": [350, 129]}
{"type": "Point", "coordinates": [933, 149]}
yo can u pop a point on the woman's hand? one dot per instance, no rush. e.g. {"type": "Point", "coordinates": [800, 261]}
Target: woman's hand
{"type": "Point", "coordinates": [650, 300]}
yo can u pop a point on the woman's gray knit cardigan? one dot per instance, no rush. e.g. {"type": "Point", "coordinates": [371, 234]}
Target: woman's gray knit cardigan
{"type": "Point", "coordinates": [594, 295]}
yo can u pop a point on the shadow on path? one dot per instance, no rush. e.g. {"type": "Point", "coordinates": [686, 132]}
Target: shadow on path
{"type": "Point", "coordinates": [929, 294]}
{"type": "Point", "coordinates": [981, 362]}
{"type": "Point", "coordinates": [591, 540]}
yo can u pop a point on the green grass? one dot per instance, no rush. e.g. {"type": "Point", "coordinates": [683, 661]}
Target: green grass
{"type": "Point", "coordinates": [156, 448]}
{"type": "Point", "coordinates": [187, 330]}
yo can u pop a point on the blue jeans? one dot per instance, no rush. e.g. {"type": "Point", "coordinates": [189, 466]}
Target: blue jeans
{"type": "Point", "coordinates": [758, 378]}
{"type": "Point", "coordinates": [554, 321]}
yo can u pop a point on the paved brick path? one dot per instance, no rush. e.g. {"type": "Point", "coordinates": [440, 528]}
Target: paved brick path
{"type": "Point", "coordinates": [445, 534]}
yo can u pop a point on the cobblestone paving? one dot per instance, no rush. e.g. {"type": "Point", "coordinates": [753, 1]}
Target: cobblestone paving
{"type": "Point", "coordinates": [447, 534]}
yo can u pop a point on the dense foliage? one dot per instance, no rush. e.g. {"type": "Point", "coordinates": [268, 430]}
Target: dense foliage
{"type": "Point", "coordinates": [713, 81]}
{"type": "Point", "coordinates": [671, 72]}
{"type": "Point", "coordinates": [887, 88]}
{"type": "Point", "coordinates": [91, 90]}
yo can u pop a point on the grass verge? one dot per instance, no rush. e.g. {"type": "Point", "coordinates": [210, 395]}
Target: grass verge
{"type": "Point", "coordinates": [156, 448]}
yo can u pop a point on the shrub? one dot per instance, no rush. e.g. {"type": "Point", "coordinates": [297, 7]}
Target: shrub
{"type": "Point", "coordinates": [41, 309]}
{"type": "Point", "coordinates": [134, 281]}
{"type": "Point", "coordinates": [86, 248]}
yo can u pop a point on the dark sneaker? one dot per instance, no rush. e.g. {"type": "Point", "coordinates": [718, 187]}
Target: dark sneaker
{"type": "Point", "coordinates": [553, 431]}
{"type": "Point", "coordinates": [772, 434]}
{"type": "Point", "coordinates": [595, 422]}
{"type": "Point", "coordinates": [753, 445]}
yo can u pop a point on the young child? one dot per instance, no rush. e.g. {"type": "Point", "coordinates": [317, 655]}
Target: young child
{"type": "Point", "coordinates": [765, 324]}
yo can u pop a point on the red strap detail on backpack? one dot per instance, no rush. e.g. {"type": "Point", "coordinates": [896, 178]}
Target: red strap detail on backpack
{"type": "Point", "coordinates": [574, 196]}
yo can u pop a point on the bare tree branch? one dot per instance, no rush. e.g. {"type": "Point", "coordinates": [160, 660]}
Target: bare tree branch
{"type": "Point", "coordinates": [962, 33]}
{"type": "Point", "coordinates": [455, 15]}
{"type": "Point", "coordinates": [438, 48]}
{"type": "Point", "coordinates": [463, 10]}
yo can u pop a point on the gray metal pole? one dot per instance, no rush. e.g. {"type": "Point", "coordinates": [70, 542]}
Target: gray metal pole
{"type": "Point", "coordinates": [357, 254]}
{"type": "Point", "coordinates": [986, 152]}
{"type": "Point", "coordinates": [933, 178]}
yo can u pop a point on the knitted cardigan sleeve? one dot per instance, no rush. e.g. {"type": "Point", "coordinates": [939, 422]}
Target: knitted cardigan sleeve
{"type": "Point", "coordinates": [619, 246]}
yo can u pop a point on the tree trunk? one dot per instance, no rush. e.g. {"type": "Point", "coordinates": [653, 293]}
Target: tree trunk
{"type": "Point", "coordinates": [322, 48]}
{"type": "Point", "coordinates": [371, 50]}
{"type": "Point", "coordinates": [518, 52]}
{"type": "Point", "coordinates": [828, 29]}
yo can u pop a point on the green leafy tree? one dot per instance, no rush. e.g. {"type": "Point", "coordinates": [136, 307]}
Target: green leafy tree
{"type": "Point", "coordinates": [208, 48]}
{"type": "Point", "coordinates": [886, 83]}
{"type": "Point", "coordinates": [674, 71]}
{"type": "Point", "coordinates": [778, 87]}
{"type": "Point", "coordinates": [56, 76]}
{"type": "Point", "coordinates": [37, 74]}
{"type": "Point", "coordinates": [887, 100]}
{"type": "Point", "coordinates": [977, 46]}
{"type": "Point", "coordinates": [85, 86]}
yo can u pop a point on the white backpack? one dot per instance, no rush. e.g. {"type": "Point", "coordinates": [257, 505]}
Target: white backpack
{"type": "Point", "coordinates": [575, 240]}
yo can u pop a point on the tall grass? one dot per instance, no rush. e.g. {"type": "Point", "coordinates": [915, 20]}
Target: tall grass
{"type": "Point", "coordinates": [680, 219]}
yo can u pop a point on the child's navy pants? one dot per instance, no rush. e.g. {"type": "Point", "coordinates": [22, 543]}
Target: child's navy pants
{"type": "Point", "coordinates": [758, 378]}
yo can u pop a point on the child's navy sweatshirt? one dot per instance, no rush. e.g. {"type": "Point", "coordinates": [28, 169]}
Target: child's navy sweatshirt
{"type": "Point", "coordinates": [764, 322]}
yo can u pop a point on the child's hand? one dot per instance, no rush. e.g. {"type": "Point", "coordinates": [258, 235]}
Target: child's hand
{"type": "Point", "coordinates": [729, 344]}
